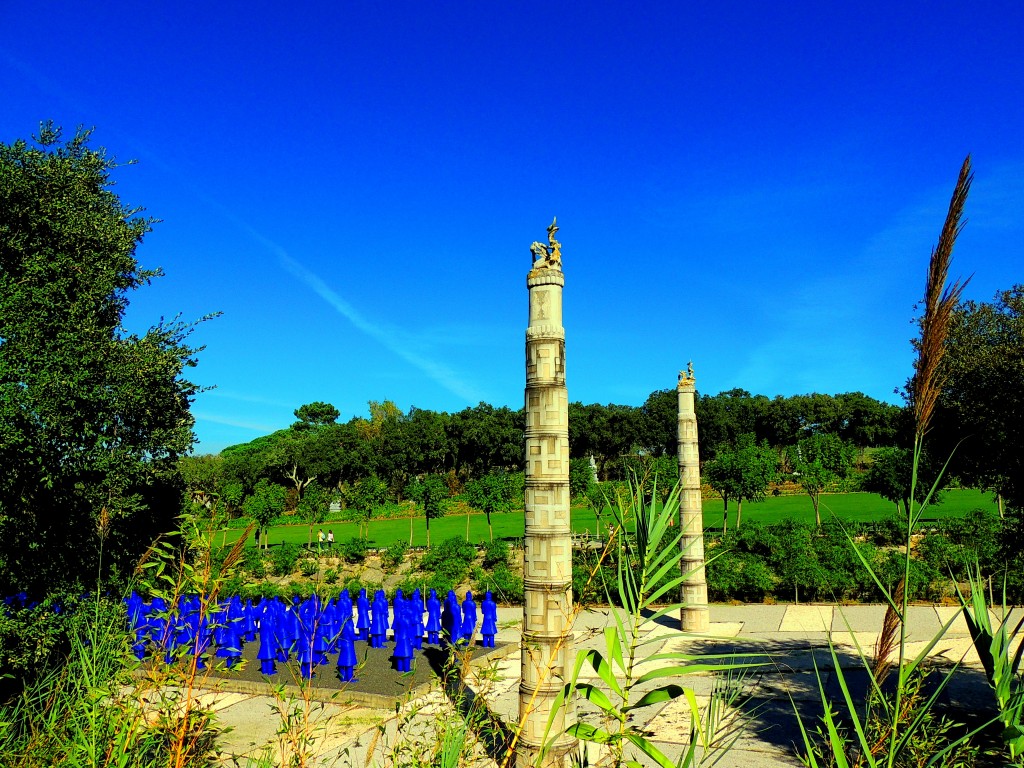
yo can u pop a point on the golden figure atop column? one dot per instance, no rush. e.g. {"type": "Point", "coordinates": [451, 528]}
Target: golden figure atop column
{"type": "Point", "coordinates": [547, 646]}
{"type": "Point", "coordinates": [694, 615]}
{"type": "Point", "coordinates": [548, 256]}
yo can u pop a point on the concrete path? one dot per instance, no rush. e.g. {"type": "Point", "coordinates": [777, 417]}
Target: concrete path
{"type": "Point", "coordinates": [794, 637]}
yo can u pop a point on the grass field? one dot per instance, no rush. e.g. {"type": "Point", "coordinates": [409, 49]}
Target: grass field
{"type": "Point", "coordinates": [848, 506]}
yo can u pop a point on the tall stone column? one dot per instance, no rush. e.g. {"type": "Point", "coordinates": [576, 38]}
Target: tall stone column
{"type": "Point", "coordinates": [547, 568]}
{"type": "Point", "coordinates": [694, 615]}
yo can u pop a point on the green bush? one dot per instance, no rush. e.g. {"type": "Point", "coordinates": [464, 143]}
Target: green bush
{"type": "Point", "coordinates": [979, 533]}
{"type": "Point", "coordinates": [442, 583]}
{"type": "Point", "coordinates": [739, 576]}
{"type": "Point", "coordinates": [455, 549]}
{"type": "Point", "coordinates": [232, 585]}
{"type": "Point", "coordinates": [889, 569]}
{"type": "Point", "coordinates": [392, 557]}
{"type": "Point", "coordinates": [309, 567]}
{"type": "Point", "coordinates": [283, 559]}
{"type": "Point", "coordinates": [37, 636]}
{"type": "Point", "coordinates": [331, 576]}
{"type": "Point", "coordinates": [353, 550]}
{"type": "Point", "coordinates": [448, 563]}
{"type": "Point", "coordinates": [890, 532]}
{"type": "Point", "coordinates": [505, 585]}
{"type": "Point", "coordinates": [352, 586]}
{"type": "Point", "coordinates": [253, 562]}
{"type": "Point", "coordinates": [841, 576]}
{"type": "Point", "coordinates": [496, 553]}
{"type": "Point", "coordinates": [410, 583]}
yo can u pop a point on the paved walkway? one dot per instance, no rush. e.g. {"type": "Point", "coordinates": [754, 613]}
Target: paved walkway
{"type": "Point", "coordinates": [794, 636]}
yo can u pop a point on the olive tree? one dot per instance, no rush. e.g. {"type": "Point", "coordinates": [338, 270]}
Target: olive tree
{"type": "Point", "coordinates": [93, 417]}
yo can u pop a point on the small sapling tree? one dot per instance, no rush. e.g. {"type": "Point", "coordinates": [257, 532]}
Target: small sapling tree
{"type": "Point", "coordinates": [819, 460]}
{"type": "Point", "coordinates": [264, 504]}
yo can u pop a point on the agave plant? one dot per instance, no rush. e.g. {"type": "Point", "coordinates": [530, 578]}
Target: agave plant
{"type": "Point", "coordinates": [993, 643]}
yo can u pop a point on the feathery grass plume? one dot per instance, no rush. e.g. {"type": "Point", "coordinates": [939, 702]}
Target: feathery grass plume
{"type": "Point", "coordinates": [939, 303]}
{"type": "Point", "coordinates": [888, 637]}
{"type": "Point", "coordinates": [235, 554]}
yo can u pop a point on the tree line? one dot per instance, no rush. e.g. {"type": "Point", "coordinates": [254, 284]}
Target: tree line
{"type": "Point", "coordinates": [392, 455]}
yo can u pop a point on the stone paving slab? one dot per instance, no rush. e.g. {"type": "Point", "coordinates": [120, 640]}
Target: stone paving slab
{"type": "Point", "coordinates": [807, 618]}
{"type": "Point", "coordinates": [859, 618]}
{"type": "Point", "coordinates": [764, 618]}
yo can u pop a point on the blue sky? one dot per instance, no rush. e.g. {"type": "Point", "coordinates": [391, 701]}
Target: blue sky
{"type": "Point", "coordinates": [755, 187]}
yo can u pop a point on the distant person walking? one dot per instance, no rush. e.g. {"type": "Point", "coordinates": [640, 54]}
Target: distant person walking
{"type": "Point", "coordinates": [330, 540]}
{"type": "Point", "coordinates": [320, 538]}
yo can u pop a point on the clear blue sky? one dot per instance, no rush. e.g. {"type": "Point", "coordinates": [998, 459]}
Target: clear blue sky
{"type": "Point", "coordinates": [755, 187]}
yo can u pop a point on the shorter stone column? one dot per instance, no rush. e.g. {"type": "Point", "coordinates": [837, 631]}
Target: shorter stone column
{"type": "Point", "coordinates": [694, 616]}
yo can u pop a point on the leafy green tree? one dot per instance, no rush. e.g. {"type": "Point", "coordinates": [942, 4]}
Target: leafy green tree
{"type": "Point", "coordinates": [485, 438]}
{"type": "Point", "coordinates": [369, 493]}
{"type": "Point", "coordinates": [266, 503]}
{"type": "Point", "coordinates": [203, 477]}
{"type": "Point", "coordinates": [490, 493]}
{"type": "Point", "coordinates": [889, 475]}
{"type": "Point", "coordinates": [779, 422]}
{"type": "Point", "coordinates": [867, 421]}
{"type": "Point", "coordinates": [313, 507]}
{"type": "Point", "coordinates": [820, 460]}
{"type": "Point", "coordinates": [890, 472]}
{"type": "Point", "coordinates": [93, 418]}
{"type": "Point", "coordinates": [581, 477]}
{"type": "Point", "coordinates": [743, 473]}
{"type": "Point", "coordinates": [605, 432]}
{"type": "Point", "coordinates": [659, 423]}
{"type": "Point", "coordinates": [981, 406]}
{"type": "Point", "coordinates": [431, 493]}
{"type": "Point", "coordinates": [245, 464]}
{"type": "Point", "coordinates": [313, 415]}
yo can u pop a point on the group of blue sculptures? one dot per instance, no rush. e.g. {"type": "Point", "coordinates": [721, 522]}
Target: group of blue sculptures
{"type": "Point", "coordinates": [309, 629]}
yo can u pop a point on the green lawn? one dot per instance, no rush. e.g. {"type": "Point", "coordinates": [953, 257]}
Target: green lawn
{"type": "Point", "coordinates": [850, 506]}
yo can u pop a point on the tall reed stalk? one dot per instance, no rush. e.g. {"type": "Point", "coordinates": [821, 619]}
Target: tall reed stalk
{"type": "Point", "coordinates": [893, 725]}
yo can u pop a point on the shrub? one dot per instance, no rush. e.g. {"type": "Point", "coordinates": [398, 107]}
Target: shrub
{"type": "Point", "coordinates": [442, 583]}
{"type": "Point", "coordinates": [34, 636]}
{"type": "Point", "coordinates": [496, 553]}
{"type": "Point", "coordinates": [505, 585]}
{"type": "Point", "coordinates": [449, 562]}
{"type": "Point", "coordinates": [392, 557]}
{"type": "Point", "coordinates": [331, 577]}
{"type": "Point", "coordinates": [232, 585]}
{"type": "Point", "coordinates": [283, 559]}
{"type": "Point", "coordinates": [309, 567]}
{"type": "Point", "coordinates": [840, 573]}
{"type": "Point", "coordinates": [739, 576]}
{"type": "Point", "coordinates": [979, 533]}
{"type": "Point", "coordinates": [352, 586]}
{"type": "Point", "coordinates": [889, 569]}
{"type": "Point", "coordinates": [890, 532]}
{"type": "Point", "coordinates": [453, 549]}
{"type": "Point", "coordinates": [353, 550]}
{"type": "Point", "coordinates": [254, 563]}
